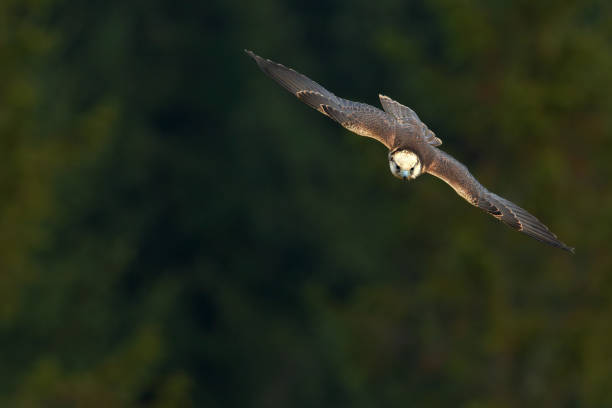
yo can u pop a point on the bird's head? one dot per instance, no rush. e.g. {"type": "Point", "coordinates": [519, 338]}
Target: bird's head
{"type": "Point", "coordinates": [405, 164]}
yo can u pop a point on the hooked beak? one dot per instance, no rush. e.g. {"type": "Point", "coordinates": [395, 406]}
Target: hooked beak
{"type": "Point", "coordinates": [405, 174]}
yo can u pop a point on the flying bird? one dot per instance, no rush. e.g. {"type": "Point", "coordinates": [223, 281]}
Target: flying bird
{"type": "Point", "coordinates": [412, 146]}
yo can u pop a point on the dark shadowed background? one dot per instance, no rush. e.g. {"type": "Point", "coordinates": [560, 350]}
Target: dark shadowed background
{"type": "Point", "coordinates": [177, 230]}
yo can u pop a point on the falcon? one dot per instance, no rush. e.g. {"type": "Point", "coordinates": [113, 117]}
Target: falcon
{"type": "Point", "coordinates": [413, 147]}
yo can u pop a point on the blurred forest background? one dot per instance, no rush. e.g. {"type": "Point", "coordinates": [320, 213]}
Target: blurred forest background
{"type": "Point", "coordinates": [177, 230]}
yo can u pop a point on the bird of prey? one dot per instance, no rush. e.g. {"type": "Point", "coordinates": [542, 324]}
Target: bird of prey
{"type": "Point", "coordinates": [412, 146]}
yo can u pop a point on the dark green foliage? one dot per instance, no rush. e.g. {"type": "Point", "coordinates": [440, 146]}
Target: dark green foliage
{"type": "Point", "coordinates": [177, 230]}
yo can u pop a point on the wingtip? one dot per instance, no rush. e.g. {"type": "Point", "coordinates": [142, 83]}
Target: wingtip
{"type": "Point", "coordinates": [262, 63]}
{"type": "Point", "coordinates": [565, 247]}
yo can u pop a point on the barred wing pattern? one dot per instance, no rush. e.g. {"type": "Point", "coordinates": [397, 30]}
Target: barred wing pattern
{"type": "Point", "coordinates": [366, 120]}
{"type": "Point", "coordinates": [407, 116]}
{"type": "Point", "coordinates": [360, 118]}
{"type": "Point", "coordinates": [461, 180]}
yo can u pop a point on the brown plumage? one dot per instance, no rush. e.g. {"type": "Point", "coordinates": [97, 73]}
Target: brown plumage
{"type": "Point", "coordinates": [411, 143]}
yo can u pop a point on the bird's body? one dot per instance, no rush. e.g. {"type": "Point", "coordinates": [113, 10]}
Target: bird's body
{"type": "Point", "coordinates": [412, 146]}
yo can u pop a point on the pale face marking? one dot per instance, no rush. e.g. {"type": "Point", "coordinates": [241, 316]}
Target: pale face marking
{"type": "Point", "coordinates": [405, 164]}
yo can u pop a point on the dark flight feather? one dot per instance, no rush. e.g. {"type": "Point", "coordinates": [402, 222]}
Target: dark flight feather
{"type": "Point", "coordinates": [399, 127]}
{"type": "Point", "coordinates": [361, 118]}
{"type": "Point", "coordinates": [461, 180]}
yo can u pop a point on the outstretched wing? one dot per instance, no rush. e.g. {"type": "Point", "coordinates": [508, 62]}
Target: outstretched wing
{"type": "Point", "coordinates": [461, 180]}
{"type": "Point", "coordinates": [360, 118]}
{"type": "Point", "coordinates": [407, 116]}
